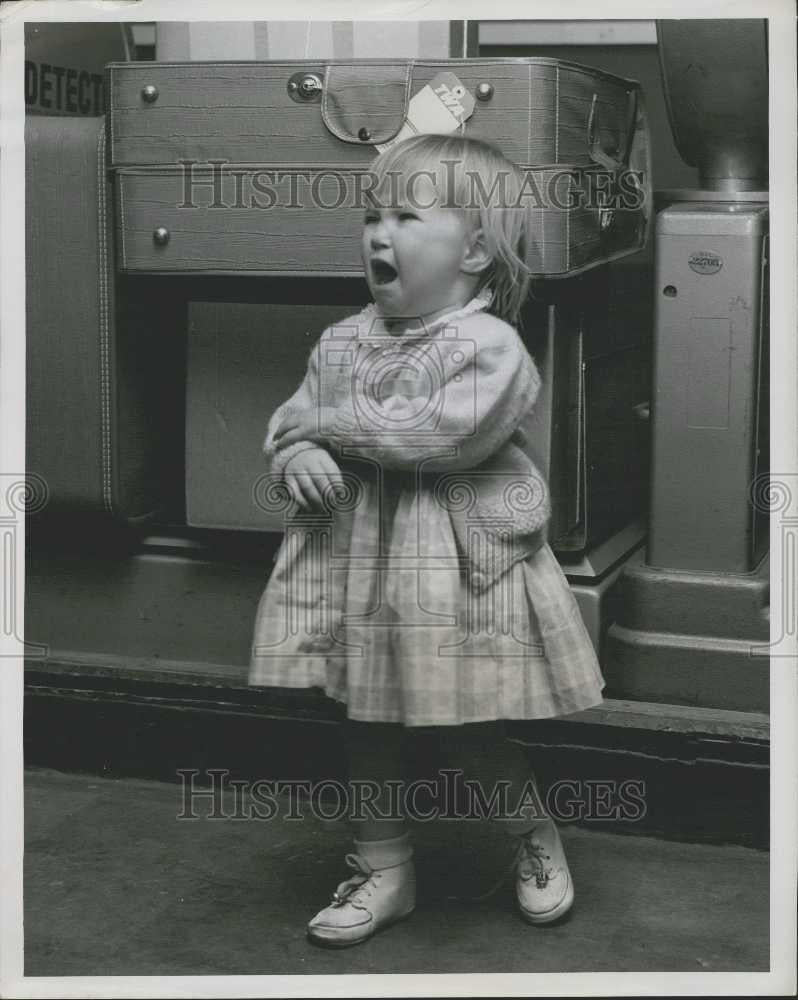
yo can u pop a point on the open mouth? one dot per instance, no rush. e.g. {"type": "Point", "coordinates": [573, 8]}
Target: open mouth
{"type": "Point", "coordinates": [383, 272]}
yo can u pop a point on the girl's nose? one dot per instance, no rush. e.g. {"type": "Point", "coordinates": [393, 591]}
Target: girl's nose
{"type": "Point", "coordinates": [379, 237]}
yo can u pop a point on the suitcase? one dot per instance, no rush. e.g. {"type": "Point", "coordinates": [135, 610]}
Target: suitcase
{"type": "Point", "coordinates": [100, 384]}
{"type": "Point", "coordinates": [213, 160]}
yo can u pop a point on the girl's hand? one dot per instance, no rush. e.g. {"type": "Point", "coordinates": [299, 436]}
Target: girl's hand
{"type": "Point", "coordinates": [307, 425]}
{"type": "Point", "coordinates": [309, 475]}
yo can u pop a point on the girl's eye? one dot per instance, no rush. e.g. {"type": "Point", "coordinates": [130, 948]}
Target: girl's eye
{"type": "Point", "coordinates": [371, 217]}
{"type": "Point", "coordinates": [407, 216]}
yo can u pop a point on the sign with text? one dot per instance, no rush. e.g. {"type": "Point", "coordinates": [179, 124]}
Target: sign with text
{"type": "Point", "coordinates": [64, 66]}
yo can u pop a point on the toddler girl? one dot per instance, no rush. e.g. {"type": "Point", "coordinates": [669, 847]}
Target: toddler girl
{"type": "Point", "coordinates": [414, 584]}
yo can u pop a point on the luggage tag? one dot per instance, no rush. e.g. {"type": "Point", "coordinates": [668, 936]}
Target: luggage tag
{"type": "Point", "coordinates": [443, 105]}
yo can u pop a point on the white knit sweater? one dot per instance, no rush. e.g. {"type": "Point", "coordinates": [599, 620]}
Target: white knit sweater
{"type": "Point", "coordinates": [445, 404]}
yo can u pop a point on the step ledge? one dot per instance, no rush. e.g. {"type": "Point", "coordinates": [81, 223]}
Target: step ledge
{"type": "Point", "coordinates": [623, 714]}
{"type": "Point", "coordinates": [679, 640]}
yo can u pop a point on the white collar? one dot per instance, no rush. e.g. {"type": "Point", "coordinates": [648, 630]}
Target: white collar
{"type": "Point", "coordinates": [479, 303]}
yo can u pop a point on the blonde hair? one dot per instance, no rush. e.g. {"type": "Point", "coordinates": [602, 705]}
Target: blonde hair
{"type": "Point", "coordinates": [475, 178]}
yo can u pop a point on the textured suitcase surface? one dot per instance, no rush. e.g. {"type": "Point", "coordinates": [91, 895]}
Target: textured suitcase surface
{"type": "Point", "coordinates": [560, 121]}
{"type": "Point", "coordinates": [93, 416]}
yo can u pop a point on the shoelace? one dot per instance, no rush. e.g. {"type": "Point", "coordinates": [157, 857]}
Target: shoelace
{"type": "Point", "coordinates": [531, 858]}
{"type": "Point", "coordinates": [528, 850]}
{"type": "Point", "coordinates": [352, 890]}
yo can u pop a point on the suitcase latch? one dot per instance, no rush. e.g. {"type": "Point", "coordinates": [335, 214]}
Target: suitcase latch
{"type": "Point", "coordinates": [304, 87]}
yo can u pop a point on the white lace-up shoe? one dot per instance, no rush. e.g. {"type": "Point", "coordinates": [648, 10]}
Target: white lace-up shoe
{"type": "Point", "coordinates": [543, 884]}
{"type": "Point", "coordinates": [382, 891]}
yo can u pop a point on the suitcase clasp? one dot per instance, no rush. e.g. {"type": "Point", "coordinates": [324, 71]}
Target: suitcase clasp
{"type": "Point", "coordinates": [304, 87]}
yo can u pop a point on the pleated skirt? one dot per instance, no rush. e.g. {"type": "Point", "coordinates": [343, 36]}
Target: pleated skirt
{"type": "Point", "coordinates": [372, 605]}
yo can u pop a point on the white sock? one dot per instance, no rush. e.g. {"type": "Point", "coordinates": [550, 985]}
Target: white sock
{"type": "Point", "coordinates": [385, 853]}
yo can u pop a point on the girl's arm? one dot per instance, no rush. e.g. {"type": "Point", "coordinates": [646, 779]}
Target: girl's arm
{"type": "Point", "coordinates": [303, 401]}
{"type": "Point", "coordinates": [485, 388]}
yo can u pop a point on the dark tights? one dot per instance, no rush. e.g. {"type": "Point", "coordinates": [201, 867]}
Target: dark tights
{"type": "Point", "coordinates": [379, 753]}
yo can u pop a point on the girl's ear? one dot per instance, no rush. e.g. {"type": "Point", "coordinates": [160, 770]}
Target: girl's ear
{"type": "Point", "coordinates": [476, 257]}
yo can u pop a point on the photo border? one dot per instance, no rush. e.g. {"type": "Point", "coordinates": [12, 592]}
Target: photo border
{"type": "Point", "coordinates": [784, 449]}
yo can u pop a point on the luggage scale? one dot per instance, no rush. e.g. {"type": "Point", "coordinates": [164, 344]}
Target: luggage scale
{"type": "Point", "coordinates": [695, 606]}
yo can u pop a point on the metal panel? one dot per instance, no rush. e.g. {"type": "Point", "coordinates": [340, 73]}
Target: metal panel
{"type": "Point", "coordinates": [707, 361]}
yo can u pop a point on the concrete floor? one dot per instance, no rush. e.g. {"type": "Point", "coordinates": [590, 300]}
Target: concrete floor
{"type": "Point", "coordinates": [115, 884]}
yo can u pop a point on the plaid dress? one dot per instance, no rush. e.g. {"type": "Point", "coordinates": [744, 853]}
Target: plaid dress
{"type": "Point", "coordinates": [370, 601]}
